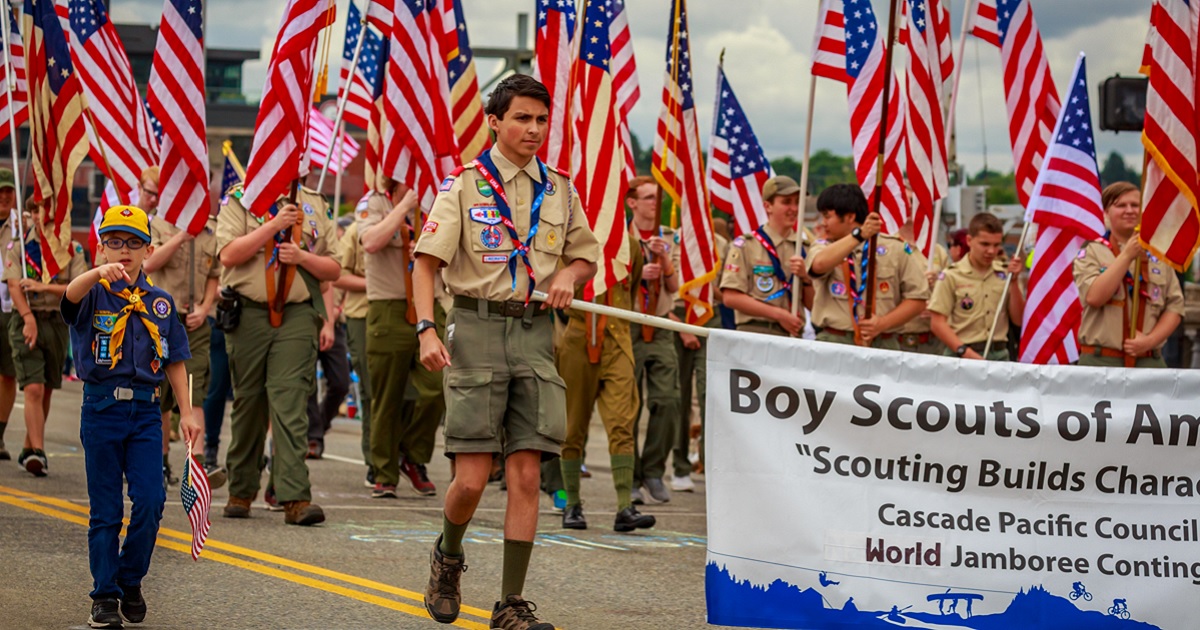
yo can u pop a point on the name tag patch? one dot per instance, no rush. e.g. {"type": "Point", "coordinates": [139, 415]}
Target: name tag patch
{"type": "Point", "coordinates": [489, 215]}
{"type": "Point", "coordinates": [494, 259]}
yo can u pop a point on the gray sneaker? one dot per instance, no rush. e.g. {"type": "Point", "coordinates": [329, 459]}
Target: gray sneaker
{"type": "Point", "coordinates": [443, 595]}
{"type": "Point", "coordinates": [657, 490]}
{"type": "Point", "coordinates": [636, 496]}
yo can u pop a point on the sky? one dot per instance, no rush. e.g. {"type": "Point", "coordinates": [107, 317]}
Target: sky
{"type": "Point", "coordinates": [767, 46]}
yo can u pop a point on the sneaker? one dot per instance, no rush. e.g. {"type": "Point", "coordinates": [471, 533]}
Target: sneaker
{"type": "Point", "coordinates": [443, 595]}
{"type": "Point", "coordinates": [169, 476]}
{"type": "Point", "coordinates": [315, 450]}
{"type": "Point", "coordinates": [302, 513]}
{"type": "Point", "coordinates": [418, 477]}
{"type": "Point", "coordinates": [369, 482]}
{"type": "Point", "coordinates": [584, 473]}
{"type": "Point", "coordinates": [383, 491]}
{"type": "Point", "coordinates": [4, 455]}
{"type": "Point", "coordinates": [636, 497]}
{"type": "Point", "coordinates": [104, 614]}
{"type": "Point", "coordinates": [630, 519]}
{"type": "Point", "coordinates": [34, 462]}
{"type": "Point", "coordinates": [657, 490]}
{"type": "Point", "coordinates": [133, 606]}
{"type": "Point", "coordinates": [560, 500]}
{"type": "Point", "coordinates": [210, 454]}
{"type": "Point", "coordinates": [272, 502]}
{"type": "Point", "coordinates": [515, 613]}
{"type": "Point", "coordinates": [217, 476]}
{"type": "Point", "coordinates": [237, 507]}
{"type": "Point", "coordinates": [573, 518]}
{"type": "Point", "coordinates": [683, 484]}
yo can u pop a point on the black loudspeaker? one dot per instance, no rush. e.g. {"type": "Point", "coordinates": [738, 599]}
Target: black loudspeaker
{"type": "Point", "coordinates": [1123, 103]}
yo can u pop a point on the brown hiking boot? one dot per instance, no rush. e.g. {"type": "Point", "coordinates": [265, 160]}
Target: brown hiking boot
{"type": "Point", "coordinates": [517, 614]}
{"type": "Point", "coordinates": [443, 597]}
{"type": "Point", "coordinates": [238, 507]}
{"type": "Point", "coordinates": [302, 513]}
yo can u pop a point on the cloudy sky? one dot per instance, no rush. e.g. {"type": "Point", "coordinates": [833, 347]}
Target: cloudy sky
{"type": "Point", "coordinates": [768, 48]}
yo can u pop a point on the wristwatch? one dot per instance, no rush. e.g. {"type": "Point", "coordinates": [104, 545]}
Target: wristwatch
{"type": "Point", "coordinates": [424, 325]}
{"type": "Point", "coordinates": [857, 234]}
{"type": "Point", "coordinates": [960, 351]}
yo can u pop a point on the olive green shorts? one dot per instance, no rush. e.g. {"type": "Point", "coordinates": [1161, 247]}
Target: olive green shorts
{"type": "Point", "coordinates": [199, 342]}
{"type": "Point", "coordinates": [1144, 362]}
{"type": "Point", "coordinates": [503, 392]}
{"type": "Point", "coordinates": [43, 364]}
{"type": "Point", "coordinates": [7, 368]}
{"type": "Point", "coordinates": [763, 328]}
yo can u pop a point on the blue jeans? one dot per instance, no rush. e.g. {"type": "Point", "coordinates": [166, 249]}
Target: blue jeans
{"type": "Point", "coordinates": [219, 388]}
{"type": "Point", "coordinates": [123, 439]}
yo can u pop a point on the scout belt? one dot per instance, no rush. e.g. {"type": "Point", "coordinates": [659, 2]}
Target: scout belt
{"type": "Point", "coordinates": [509, 308]}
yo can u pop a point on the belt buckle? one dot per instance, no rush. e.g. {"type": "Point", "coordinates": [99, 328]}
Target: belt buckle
{"type": "Point", "coordinates": [122, 393]}
{"type": "Point", "coordinates": [512, 309]}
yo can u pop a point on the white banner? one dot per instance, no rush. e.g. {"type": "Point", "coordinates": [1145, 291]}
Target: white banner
{"type": "Point", "coordinates": [851, 487]}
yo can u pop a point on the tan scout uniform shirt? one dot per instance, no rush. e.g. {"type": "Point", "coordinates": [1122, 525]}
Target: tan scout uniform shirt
{"type": "Point", "coordinates": [1105, 326]}
{"type": "Point", "coordinates": [941, 260]}
{"type": "Point", "coordinates": [354, 261]}
{"type": "Point", "coordinates": [748, 269]}
{"type": "Point", "coordinates": [173, 276]}
{"type": "Point", "coordinates": [455, 231]}
{"type": "Point", "coordinates": [318, 235]}
{"type": "Point", "coordinates": [899, 276]}
{"type": "Point", "coordinates": [44, 301]}
{"type": "Point", "coordinates": [666, 299]}
{"type": "Point", "coordinates": [385, 268]}
{"type": "Point", "coordinates": [8, 241]}
{"type": "Point", "coordinates": [969, 299]}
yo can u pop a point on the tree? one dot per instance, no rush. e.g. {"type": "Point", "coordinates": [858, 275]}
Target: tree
{"type": "Point", "coordinates": [1115, 170]}
{"type": "Point", "coordinates": [1002, 189]}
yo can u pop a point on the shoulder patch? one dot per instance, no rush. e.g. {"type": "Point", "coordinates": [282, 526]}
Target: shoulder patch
{"type": "Point", "coordinates": [739, 241]}
{"type": "Point", "coordinates": [447, 184]}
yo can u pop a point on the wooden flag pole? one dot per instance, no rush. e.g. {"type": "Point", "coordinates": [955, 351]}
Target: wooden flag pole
{"type": "Point", "coordinates": [882, 159]}
{"type": "Point", "coordinates": [949, 127]}
{"type": "Point", "coordinates": [797, 289]}
{"type": "Point", "coordinates": [13, 138]}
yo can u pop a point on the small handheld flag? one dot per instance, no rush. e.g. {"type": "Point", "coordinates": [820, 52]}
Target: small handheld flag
{"type": "Point", "coordinates": [197, 499]}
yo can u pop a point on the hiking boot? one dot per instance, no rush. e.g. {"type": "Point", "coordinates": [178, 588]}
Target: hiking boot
{"type": "Point", "coordinates": [443, 595]}
{"type": "Point", "coordinates": [217, 476]}
{"type": "Point", "coordinates": [573, 517]}
{"type": "Point", "coordinates": [418, 477]}
{"type": "Point", "coordinates": [517, 614]}
{"type": "Point", "coordinates": [34, 462]}
{"type": "Point", "coordinates": [383, 491]}
{"type": "Point", "coordinates": [237, 507]}
{"type": "Point", "coordinates": [302, 513]}
{"type": "Point", "coordinates": [657, 490]}
{"type": "Point", "coordinates": [104, 614]}
{"type": "Point", "coordinates": [630, 519]}
{"type": "Point", "coordinates": [133, 606]}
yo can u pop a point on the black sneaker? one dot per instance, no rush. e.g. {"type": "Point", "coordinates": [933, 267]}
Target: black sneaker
{"type": "Point", "coordinates": [4, 456]}
{"type": "Point", "coordinates": [630, 519]}
{"type": "Point", "coordinates": [104, 614]}
{"type": "Point", "coordinates": [133, 606]}
{"type": "Point", "coordinates": [573, 517]}
{"type": "Point", "coordinates": [35, 462]}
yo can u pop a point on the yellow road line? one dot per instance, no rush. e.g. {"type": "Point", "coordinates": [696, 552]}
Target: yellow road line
{"type": "Point", "coordinates": [211, 554]}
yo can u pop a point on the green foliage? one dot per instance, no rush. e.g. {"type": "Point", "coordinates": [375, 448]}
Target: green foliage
{"type": "Point", "coordinates": [1002, 188]}
{"type": "Point", "coordinates": [1115, 170]}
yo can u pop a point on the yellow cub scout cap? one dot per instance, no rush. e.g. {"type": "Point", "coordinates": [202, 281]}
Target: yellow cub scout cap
{"type": "Point", "coordinates": [126, 219]}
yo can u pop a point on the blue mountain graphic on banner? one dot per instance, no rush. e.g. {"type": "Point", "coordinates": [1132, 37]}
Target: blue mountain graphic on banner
{"type": "Point", "coordinates": [782, 605]}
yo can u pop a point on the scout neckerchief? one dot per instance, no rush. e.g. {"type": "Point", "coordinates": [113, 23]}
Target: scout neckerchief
{"type": "Point", "coordinates": [856, 284]}
{"type": "Point", "coordinates": [487, 168]}
{"type": "Point", "coordinates": [1128, 302]}
{"type": "Point", "coordinates": [135, 303]}
{"type": "Point", "coordinates": [763, 239]}
{"type": "Point", "coordinates": [33, 259]}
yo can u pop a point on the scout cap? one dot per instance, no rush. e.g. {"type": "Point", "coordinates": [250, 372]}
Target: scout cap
{"type": "Point", "coordinates": [7, 179]}
{"type": "Point", "coordinates": [126, 219]}
{"type": "Point", "coordinates": [779, 185]}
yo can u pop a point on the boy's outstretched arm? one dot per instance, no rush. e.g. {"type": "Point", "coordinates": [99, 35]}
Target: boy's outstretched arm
{"type": "Point", "coordinates": [84, 283]}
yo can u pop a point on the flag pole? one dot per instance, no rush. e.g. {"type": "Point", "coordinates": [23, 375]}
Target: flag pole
{"type": "Point", "coordinates": [341, 109]}
{"type": "Point", "coordinates": [12, 129]}
{"type": "Point", "coordinates": [337, 178]}
{"type": "Point", "coordinates": [881, 160]}
{"type": "Point", "coordinates": [630, 316]}
{"type": "Point", "coordinates": [949, 127]}
{"type": "Point", "coordinates": [797, 290]}
{"type": "Point", "coordinates": [1003, 308]}
{"type": "Point", "coordinates": [103, 153]}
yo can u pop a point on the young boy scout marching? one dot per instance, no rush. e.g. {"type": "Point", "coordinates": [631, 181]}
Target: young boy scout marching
{"type": "Point", "coordinates": [967, 295]}
{"type": "Point", "coordinates": [500, 227]}
{"type": "Point", "coordinates": [127, 337]}
{"type": "Point", "coordinates": [917, 335]}
{"type": "Point", "coordinates": [8, 241]}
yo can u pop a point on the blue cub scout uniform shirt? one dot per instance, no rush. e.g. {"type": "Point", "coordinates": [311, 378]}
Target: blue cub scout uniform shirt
{"type": "Point", "coordinates": [92, 321]}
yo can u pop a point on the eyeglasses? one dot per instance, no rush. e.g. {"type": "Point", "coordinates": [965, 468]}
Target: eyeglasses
{"type": "Point", "coordinates": [133, 244]}
{"type": "Point", "coordinates": [148, 192]}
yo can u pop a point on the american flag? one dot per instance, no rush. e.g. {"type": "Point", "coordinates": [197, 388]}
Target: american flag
{"type": "Point", "coordinates": [155, 125]}
{"type": "Point", "coordinates": [379, 15]}
{"type": "Point", "coordinates": [119, 128]}
{"type": "Point", "coordinates": [233, 173]}
{"type": "Point", "coordinates": [466, 103]}
{"type": "Point", "coordinates": [1066, 208]}
{"type": "Point", "coordinates": [15, 113]}
{"type": "Point", "coordinates": [848, 48]}
{"type": "Point", "coordinates": [176, 91]}
{"type": "Point", "coordinates": [625, 81]}
{"type": "Point", "coordinates": [373, 175]}
{"type": "Point", "coordinates": [1029, 91]}
{"type": "Point", "coordinates": [930, 64]}
{"type": "Point", "coordinates": [737, 165]}
{"type": "Point", "coordinates": [322, 147]}
{"type": "Point", "coordinates": [58, 135]}
{"type": "Point", "coordinates": [552, 66]}
{"type": "Point", "coordinates": [679, 168]}
{"type": "Point", "coordinates": [197, 499]}
{"type": "Point", "coordinates": [1170, 212]}
{"type": "Point", "coordinates": [366, 74]}
{"type": "Point", "coordinates": [599, 174]}
{"type": "Point", "coordinates": [276, 160]}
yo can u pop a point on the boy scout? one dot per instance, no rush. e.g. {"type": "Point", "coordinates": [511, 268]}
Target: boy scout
{"type": "Point", "coordinates": [1104, 274]}
{"type": "Point", "coordinates": [916, 335]}
{"type": "Point", "coordinates": [501, 227]}
{"type": "Point", "coordinates": [403, 435]}
{"type": "Point", "coordinates": [967, 295]}
{"type": "Point", "coordinates": [38, 335]}
{"type": "Point", "coordinates": [272, 367]}
{"type": "Point", "coordinates": [8, 230]}
{"type": "Point", "coordinates": [353, 280]}
{"type": "Point", "coordinates": [838, 268]}
{"type": "Point", "coordinates": [756, 283]}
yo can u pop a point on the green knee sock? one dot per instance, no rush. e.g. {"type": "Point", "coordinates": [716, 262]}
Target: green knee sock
{"type": "Point", "coordinates": [570, 477]}
{"type": "Point", "coordinates": [516, 565]}
{"type": "Point", "coordinates": [452, 537]}
{"type": "Point", "coordinates": [622, 472]}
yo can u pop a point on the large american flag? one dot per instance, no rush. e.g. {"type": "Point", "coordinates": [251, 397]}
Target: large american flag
{"type": "Point", "coordinates": [119, 128]}
{"type": "Point", "coordinates": [14, 112]}
{"type": "Point", "coordinates": [1170, 212]}
{"type": "Point", "coordinates": [599, 173]}
{"type": "Point", "coordinates": [930, 64]}
{"type": "Point", "coordinates": [276, 159]}
{"type": "Point", "coordinates": [232, 173]}
{"type": "Point", "coordinates": [324, 148]}
{"type": "Point", "coordinates": [366, 74]}
{"type": "Point", "coordinates": [1029, 92]}
{"type": "Point", "coordinates": [58, 135]}
{"type": "Point", "coordinates": [679, 168]}
{"type": "Point", "coordinates": [466, 102]}
{"type": "Point", "coordinates": [1066, 208]}
{"type": "Point", "coordinates": [625, 81]}
{"type": "Point", "coordinates": [737, 165]}
{"type": "Point", "coordinates": [197, 499]}
{"type": "Point", "coordinates": [552, 66]}
{"type": "Point", "coordinates": [176, 92]}
{"type": "Point", "coordinates": [849, 48]}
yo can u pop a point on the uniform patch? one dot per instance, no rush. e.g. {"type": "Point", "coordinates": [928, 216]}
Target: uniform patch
{"type": "Point", "coordinates": [104, 322]}
{"type": "Point", "coordinates": [430, 227]}
{"type": "Point", "coordinates": [908, 249]}
{"type": "Point", "coordinates": [308, 209]}
{"type": "Point", "coordinates": [967, 303]}
{"type": "Point", "coordinates": [881, 250]}
{"type": "Point", "coordinates": [732, 268]}
{"type": "Point", "coordinates": [941, 275]}
{"type": "Point", "coordinates": [1155, 270]}
{"type": "Point", "coordinates": [739, 241]}
{"type": "Point", "coordinates": [1103, 269]}
{"type": "Point", "coordinates": [1155, 293]}
{"type": "Point", "coordinates": [363, 214]}
{"type": "Point", "coordinates": [764, 270]}
{"type": "Point", "coordinates": [550, 187]}
{"type": "Point", "coordinates": [155, 365]}
{"type": "Point", "coordinates": [1002, 275]}
{"type": "Point", "coordinates": [485, 188]}
{"type": "Point", "coordinates": [102, 349]}
{"type": "Point", "coordinates": [884, 287]}
{"type": "Point", "coordinates": [486, 214]}
{"type": "Point", "coordinates": [446, 184]}
{"type": "Point", "coordinates": [492, 259]}
{"type": "Point", "coordinates": [1152, 258]}
{"type": "Point", "coordinates": [764, 283]}
{"type": "Point", "coordinates": [837, 288]}
{"type": "Point", "coordinates": [551, 238]}
{"type": "Point", "coordinates": [491, 237]}
{"type": "Point", "coordinates": [1082, 254]}
{"type": "Point", "coordinates": [162, 307]}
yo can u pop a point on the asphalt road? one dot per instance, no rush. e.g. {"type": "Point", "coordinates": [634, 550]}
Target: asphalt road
{"type": "Point", "coordinates": [364, 568]}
